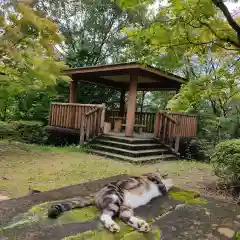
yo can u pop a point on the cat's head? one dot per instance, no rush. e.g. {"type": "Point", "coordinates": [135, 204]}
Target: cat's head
{"type": "Point", "coordinates": [167, 182]}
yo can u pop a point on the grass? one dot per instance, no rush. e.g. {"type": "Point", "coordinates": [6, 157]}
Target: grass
{"type": "Point", "coordinates": [46, 168]}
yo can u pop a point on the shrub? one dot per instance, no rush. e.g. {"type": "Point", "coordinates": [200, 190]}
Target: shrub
{"type": "Point", "coordinates": [200, 150]}
{"type": "Point", "coordinates": [25, 131]}
{"type": "Point", "coordinates": [226, 161]}
{"type": "Point", "coordinates": [6, 129]}
{"type": "Point", "coordinates": [197, 149]}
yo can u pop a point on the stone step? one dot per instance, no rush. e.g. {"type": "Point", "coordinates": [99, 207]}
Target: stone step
{"type": "Point", "coordinates": [146, 159]}
{"type": "Point", "coordinates": [129, 139]}
{"type": "Point", "coordinates": [133, 146]}
{"type": "Point", "coordinates": [127, 152]}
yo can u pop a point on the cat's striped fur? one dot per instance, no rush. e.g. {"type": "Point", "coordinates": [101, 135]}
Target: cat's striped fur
{"type": "Point", "coordinates": [118, 199]}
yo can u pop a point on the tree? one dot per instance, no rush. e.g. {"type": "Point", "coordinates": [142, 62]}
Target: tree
{"type": "Point", "coordinates": [27, 52]}
{"type": "Point", "coordinates": [192, 26]}
{"type": "Point", "coordinates": [92, 28]}
{"type": "Point", "coordinates": [214, 94]}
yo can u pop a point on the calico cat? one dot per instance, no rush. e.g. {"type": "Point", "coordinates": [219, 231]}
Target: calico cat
{"type": "Point", "coordinates": [118, 199]}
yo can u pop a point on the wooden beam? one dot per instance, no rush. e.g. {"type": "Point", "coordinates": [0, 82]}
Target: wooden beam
{"type": "Point", "coordinates": [164, 85]}
{"type": "Point", "coordinates": [101, 81]}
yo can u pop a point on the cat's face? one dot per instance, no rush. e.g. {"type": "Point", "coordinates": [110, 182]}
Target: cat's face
{"type": "Point", "coordinates": [168, 182]}
{"type": "Point", "coordinates": [158, 177]}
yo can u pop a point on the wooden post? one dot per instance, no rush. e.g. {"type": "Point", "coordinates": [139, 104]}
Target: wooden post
{"type": "Point", "coordinates": [73, 91]}
{"type": "Point", "coordinates": [82, 129]}
{"type": "Point", "coordinates": [50, 115]}
{"type": "Point", "coordinates": [156, 125]}
{"type": "Point", "coordinates": [177, 141]}
{"type": "Point", "coordinates": [122, 103]}
{"type": "Point", "coordinates": [103, 116]}
{"type": "Point", "coordinates": [131, 108]}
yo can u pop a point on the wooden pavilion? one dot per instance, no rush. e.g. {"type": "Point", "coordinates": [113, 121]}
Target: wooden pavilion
{"type": "Point", "coordinates": [88, 119]}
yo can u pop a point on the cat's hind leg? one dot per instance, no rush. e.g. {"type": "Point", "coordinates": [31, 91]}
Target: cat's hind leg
{"type": "Point", "coordinates": [126, 215]}
{"type": "Point", "coordinates": [106, 218]}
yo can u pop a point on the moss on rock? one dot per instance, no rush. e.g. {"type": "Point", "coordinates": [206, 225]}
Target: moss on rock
{"type": "Point", "coordinates": [79, 215]}
{"type": "Point", "coordinates": [237, 236]}
{"type": "Point", "coordinates": [126, 233]}
{"type": "Point", "coordinates": [189, 197]}
{"type": "Point", "coordinates": [38, 214]}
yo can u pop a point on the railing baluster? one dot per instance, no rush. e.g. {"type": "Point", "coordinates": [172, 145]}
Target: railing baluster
{"type": "Point", "coordinates": [87, 128]}
{"type": "Point", "coordinates": [82, 129]}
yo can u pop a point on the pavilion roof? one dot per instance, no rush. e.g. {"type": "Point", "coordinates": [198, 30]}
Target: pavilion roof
{"type": "Point", "coordinates": [118, 76]}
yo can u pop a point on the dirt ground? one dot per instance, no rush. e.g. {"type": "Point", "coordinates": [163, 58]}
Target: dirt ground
{"type": "Point", "coordinates": [45, 168]}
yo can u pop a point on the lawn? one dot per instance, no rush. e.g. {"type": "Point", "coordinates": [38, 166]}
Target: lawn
{"type": "Point", "coordinates": [46, 168]}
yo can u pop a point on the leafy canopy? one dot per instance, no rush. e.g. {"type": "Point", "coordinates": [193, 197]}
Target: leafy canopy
{"type": "Point", "coordinates": [217, 81]}
{"type": "Point", "coordinates": [27, 50]}
{"type": "Point", "coordinates": [183, 28]}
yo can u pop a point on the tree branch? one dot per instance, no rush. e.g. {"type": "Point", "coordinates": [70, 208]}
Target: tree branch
{"type": "Point", "coordinates": [224, 39]}
{"type": "Point", "coordinates": [234, 25]}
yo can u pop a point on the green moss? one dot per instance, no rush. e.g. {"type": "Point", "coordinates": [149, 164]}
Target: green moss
{"type": "Point", "coordinates": [126, 233]}
{"type": "Point", "coordinates": [189, 197]}
{"type": "Point", "coordinates": [79, 236]}
{"type": "Point", "coordinates": [79, 215]}
{"type": "Point", "coordinates": [197, 201]}
{"type": "Point", "coordinates": [133, 235]}
{"type": "Point", "coordinates": [35, 214]}
{"type": "Point", "coordinates": [237, 236]}
{"type": "Point", "coordinates": [38, 214]}
{"type": "Point", "coordinates": [155, 234]}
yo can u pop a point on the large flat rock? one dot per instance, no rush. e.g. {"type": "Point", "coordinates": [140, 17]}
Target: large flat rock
{"type": "Point", "coordinates": [172, 217]}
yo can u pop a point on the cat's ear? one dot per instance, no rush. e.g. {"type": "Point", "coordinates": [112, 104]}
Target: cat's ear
{"type": "Point", "coordinates": [163, 175]}
{"type": "Point", "coordinates": [30, 190]}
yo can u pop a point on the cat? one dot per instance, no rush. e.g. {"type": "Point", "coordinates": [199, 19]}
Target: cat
{"type": "Point", "coordinates": [119, 198]}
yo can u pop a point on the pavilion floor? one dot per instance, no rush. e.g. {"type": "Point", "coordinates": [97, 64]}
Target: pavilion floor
{"type": "Point", "coordinates": [143, 135]}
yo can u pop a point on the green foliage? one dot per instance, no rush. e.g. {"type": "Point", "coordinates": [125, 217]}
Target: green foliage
{"type": "Point", "coordinates": [92, 33]}
{"type": "Point", "coordinates": [182, 28]}
{"type": "Point", "coordinates": [226, 161]}
{"type": "Point", "coordinates": [133, 3]}
{"type": "Point", "coordinates": [92, 28]}
{"type": "Point", "coordinates": [217, 82]}
{"type": "Point", "coordinates": [199, 149]}
{"type": "Point", "coordinates": [27, 52]}
{"type": "Point", "coordinates": [183, 37]}
{"type": "Point", "coordinates": [25, 131]}
{"type": "Point", "coordinates": [213, 94]}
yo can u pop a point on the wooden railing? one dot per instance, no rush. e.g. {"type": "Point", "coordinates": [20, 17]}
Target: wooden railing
{"type": "Point", "coordinates": [92, 124]}
{"type": "Point", "coordinates": [88, 119]}
{"type": "Point", "coordinates": [169, 127]}
{"type": "Point", "coordinates": [144, 118]}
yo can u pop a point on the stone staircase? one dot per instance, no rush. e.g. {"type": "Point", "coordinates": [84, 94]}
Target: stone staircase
{"type": "Point", "coordinates": [138, 150]}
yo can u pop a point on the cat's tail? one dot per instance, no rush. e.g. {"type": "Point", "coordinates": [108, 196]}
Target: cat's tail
{"type": "Point", "coordinates": [55, 210]}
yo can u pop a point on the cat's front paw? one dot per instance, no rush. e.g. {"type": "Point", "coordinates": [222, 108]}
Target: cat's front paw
{"type": "Point", "coordinates": [143, 226]}
{"type": "Point", "coordinates": [113, 228]}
